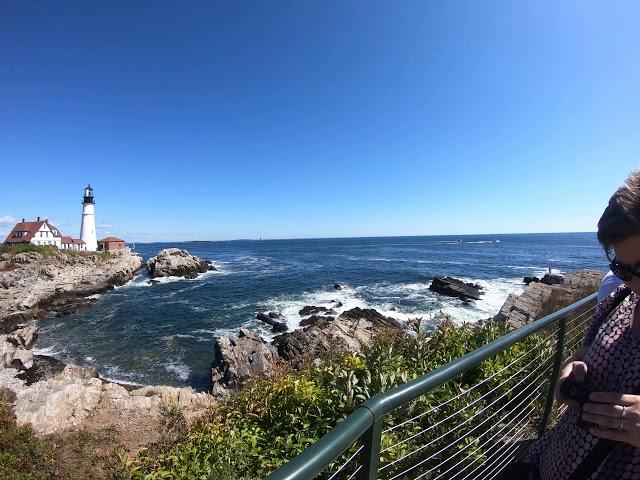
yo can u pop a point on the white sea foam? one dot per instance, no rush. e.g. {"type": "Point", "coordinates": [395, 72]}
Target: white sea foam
{"type": "Point", "coordinates": [95, 296]}
{"type": "Point", "coordinates": [113, 373]}
{"type": "Point", "coordinates": [181, 370]}
{"type": "Point", "coordinates": [51, 351]}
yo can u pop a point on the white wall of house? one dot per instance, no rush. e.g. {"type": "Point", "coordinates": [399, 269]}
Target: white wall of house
{"type": "Point", "coordinates": [45, 236]}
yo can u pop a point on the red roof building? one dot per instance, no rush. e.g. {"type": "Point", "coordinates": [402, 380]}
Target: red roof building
{"type": "Point", "coordinates": [110, 244]}
{"type": "Point", "coordinates": [40, 232]}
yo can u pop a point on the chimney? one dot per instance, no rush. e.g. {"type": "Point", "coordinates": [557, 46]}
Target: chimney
{"type": "Point", "coordinates": [38, 219]}
{"type": "Point", "coordinates": [23, 220]}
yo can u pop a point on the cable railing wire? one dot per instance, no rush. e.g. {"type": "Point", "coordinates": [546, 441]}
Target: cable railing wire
{"type": "Point", "coordinates": [499, 453]}
{"type": "Point", "coordinates": [511, 453]}
{"type": "Point", "coordinates": [455, 428]}
{"type": "Point", "coordinates": [467, 391]}
{"type": "Point", "coordinates": [471, 418]}
{"type": "Point", "coordinates": [479, 448]}
{"type": "Point", "coordinates": [520, 426]}
{"type": "Point", "coordinates": [346, 462]}
{"type": "Point", "coordinates": [355, 472]}
{"type": "Point", "coordinates": [431, 427]}
{"type": "Point", "coordinates": [488, 430]}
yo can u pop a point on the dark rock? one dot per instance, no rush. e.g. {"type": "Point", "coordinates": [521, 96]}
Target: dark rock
{"type": "Point", "coordinates": [528, 280]}
{"type": "Point", "coordinates": [311, 310]}
{"type": "Point", "coordinates": [66, 303]}
{"type": "Point", "coordinates": [43, 368]}
{"type": "Point", "coordinates": [371, 315]}
{"type": "Point", "coordinates": [237, 359]}
{"type": "Point", "coordinates": [274, 315]}
{"type": "Point", "coordinates": [153, 282]}
{"type": "Point", "coordinates": [337, 287]}
{"type": "Point", "coordinates": [453, 287]}
{"type": "Point", "coordinates": [337, 303]}
{"type": "Point", "coordinates": [552, 279]}
{"type": "Point", "coordinates": [276, 326]}
{"type": "Point", "coordinates": [316, 320]}
{"type": "Point", "coordinates": [351, 331]}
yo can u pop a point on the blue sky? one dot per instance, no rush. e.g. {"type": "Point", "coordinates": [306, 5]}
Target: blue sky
{"type": "Point", "coordinates": [281, 119]}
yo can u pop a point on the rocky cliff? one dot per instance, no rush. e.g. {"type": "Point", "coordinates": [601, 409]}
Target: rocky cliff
{"type": "Point", "coordinates": [540, 299]}
{"type": "Point", "coordinates": [32, 283]}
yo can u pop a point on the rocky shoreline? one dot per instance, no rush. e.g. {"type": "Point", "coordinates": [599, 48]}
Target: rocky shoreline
{"type": "Point", "coordinates": [33, 284]}
{"type": "Point", "coordinates": [53, 397]}
{"type": "Point", "coordinates": [236, 359]}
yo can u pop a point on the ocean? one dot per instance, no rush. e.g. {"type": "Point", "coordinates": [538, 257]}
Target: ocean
{"type": "Point", "coordinates": [163, 334]}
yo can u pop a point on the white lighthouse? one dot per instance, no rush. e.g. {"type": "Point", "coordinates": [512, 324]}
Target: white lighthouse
{"type": "Point", "coordinates": [88, 226]}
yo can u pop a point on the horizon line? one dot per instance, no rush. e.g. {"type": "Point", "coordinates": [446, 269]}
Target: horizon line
{"type": "Point", "coordinates": [260, 239]}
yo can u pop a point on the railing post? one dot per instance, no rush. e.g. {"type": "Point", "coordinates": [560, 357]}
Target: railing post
{"type": "Point", "coordinates": [370, 456]}
{"type": "Point", "coordinates": [554, 375]}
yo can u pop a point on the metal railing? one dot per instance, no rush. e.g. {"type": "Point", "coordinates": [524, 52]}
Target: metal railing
{"type": "Point", "coordinates": [418, 429]}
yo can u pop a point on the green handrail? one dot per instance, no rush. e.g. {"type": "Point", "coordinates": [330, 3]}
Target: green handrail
{"type": "Point", "coordinates": [367, 418]}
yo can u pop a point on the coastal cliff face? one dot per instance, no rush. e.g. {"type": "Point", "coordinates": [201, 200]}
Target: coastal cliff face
{"type": "Point", "coordinates": [540, 299]}
{"type": "Point", "coordinates": [32, 283]}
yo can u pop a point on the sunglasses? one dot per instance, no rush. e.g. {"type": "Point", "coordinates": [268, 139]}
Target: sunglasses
{"type": "Point", "coordinates": [623, 271]}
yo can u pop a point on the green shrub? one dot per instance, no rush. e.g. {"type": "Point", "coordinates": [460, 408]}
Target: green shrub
{"type": "Point", "coordinates": [272, 420]}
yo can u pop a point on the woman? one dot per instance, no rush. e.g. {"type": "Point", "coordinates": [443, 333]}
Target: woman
{"type": "Point", "coordinates": [608, 363]}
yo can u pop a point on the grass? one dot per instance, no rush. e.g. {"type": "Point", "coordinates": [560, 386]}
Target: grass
{"type": "Point", "coordinates": [44, 250]}
{"type": "Point", "coordinates": [76, 455]}
{"type": "Point", "coordinates": [50, 250]}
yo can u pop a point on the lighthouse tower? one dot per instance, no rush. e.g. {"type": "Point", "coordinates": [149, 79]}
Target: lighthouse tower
{"type": "Point", "coordinates": [88, 226]}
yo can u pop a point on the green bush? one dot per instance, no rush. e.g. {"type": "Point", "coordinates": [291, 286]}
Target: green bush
{"type": "Point", "coordinates": [272, 420]}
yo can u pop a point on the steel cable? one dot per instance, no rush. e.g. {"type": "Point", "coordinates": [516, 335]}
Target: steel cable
{"type": "Point", "coordinates": [461, 424]}
{"type": "Point", "coordinates": [431, 427]}
{"type": "Point", "coordinates": [466, 392]}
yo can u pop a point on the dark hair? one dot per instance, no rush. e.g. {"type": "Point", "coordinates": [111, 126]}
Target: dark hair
{"type": "Point", "coordinates": [621, 218]}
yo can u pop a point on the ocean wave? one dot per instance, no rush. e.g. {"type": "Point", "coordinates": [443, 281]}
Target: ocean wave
{"type": "Point", "coordinates": [50, 351]}
{"type": "Point", "coordinates": [181, 370]}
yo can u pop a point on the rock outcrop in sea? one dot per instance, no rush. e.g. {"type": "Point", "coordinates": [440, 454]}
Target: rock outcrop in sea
{"type": "Point", "coordinates": [32, 284]}
{"type": "Point", "coordinates": [452, 287]}
{"type": "Point", "coordinates": [176, 262]}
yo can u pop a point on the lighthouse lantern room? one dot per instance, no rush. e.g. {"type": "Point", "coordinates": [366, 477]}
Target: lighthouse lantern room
{"type": "Point", "coordinates": [88, 225]}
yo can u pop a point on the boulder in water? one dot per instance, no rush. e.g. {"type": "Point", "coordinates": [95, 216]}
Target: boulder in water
{"type": "Point", "coordinates": [312, 310]}
{"type": "Point", "coordinates": [453, 287]}
{"type": "Point", "coordinates": [176, 262]}
{"type": "Point", "coordinates": [276, 325]}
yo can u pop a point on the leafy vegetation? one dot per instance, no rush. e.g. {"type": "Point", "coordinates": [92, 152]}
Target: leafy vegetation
{"type": "Point", "coordinates": [273, 420]}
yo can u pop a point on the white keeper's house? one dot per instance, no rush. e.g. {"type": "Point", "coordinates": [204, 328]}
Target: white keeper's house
{"type": "Point", "coordinates": [42, 232]}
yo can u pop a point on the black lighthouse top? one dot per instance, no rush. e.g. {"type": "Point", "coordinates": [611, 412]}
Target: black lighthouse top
{"type": "Point", "coordinates": [88, 195]}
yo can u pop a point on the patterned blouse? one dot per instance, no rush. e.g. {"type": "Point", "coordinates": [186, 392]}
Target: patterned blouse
{"type": "Point", "coordinates": [613, 365]}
